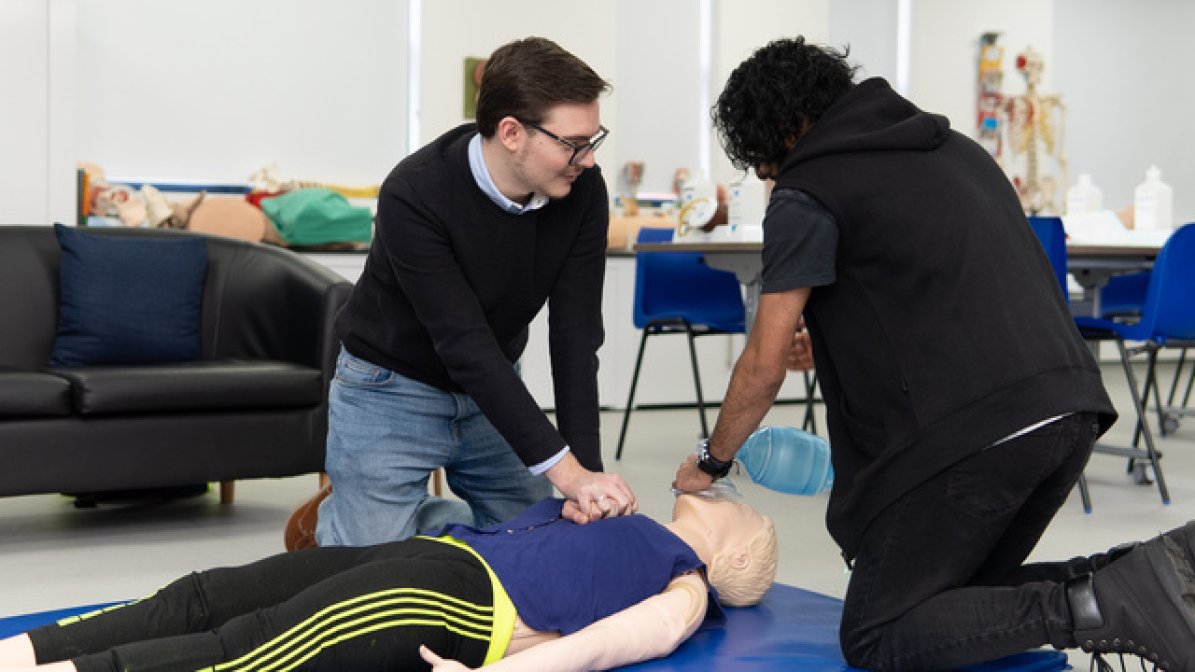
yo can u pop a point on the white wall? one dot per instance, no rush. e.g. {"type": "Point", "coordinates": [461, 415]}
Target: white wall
{"type": "Point", "coordinates": [456, 29]}
{"type": "Point", "coordinates": [24, 122]}
{"type": "Point", "coordinates": [868, 28]}
{"type": "Point", "coordinates": [741, 27]}
{"type": "Point", "coordinates": [214, 90]}
{"type": "Point", "coordinates": [1127, 73]}
{"type": "Point", "coordinates": [656, 81]}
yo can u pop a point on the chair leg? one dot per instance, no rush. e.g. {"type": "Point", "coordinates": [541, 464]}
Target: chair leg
{"type": "Point", "coordinates": [626, 414]}
{"type": "Point", "coordinates": [1150, 384]}
{"type": "Point", "coordinates": [705, 432]}
{"type": "Point", "coordinates": [810, 423]}
{"type": "Point", "coordinates": [1134, 469]}
{"type": "Point", "coordinates": [1152, 380]}
{"type": "Point", "coordinates": [1190, 383]}
{"type": "Point", "coordinates": [1084, 494]}
{"type": "Point", "coordinates": [227, 492]}
{"type": "Point", "coordinates": [1178, 372]}
{"type": "Point", "coordinates": [1170, 415]}
{"type": "Point", "coordinates": [1142, 425]}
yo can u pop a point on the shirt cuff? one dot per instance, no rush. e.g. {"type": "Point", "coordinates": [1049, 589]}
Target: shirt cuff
{"type": "Point", "coordinates": [547, 464]}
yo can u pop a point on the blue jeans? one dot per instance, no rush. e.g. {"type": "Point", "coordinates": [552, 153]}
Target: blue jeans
{"type": "Point", "coordinates": [387, 434]}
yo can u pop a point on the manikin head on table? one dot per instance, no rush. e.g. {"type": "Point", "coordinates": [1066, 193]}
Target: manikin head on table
{"type": "Point", "coordinates": [736, 543]}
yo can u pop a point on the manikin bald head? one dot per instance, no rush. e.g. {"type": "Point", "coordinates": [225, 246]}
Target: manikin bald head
{"type": "Point", "coordinates": [736, 542]}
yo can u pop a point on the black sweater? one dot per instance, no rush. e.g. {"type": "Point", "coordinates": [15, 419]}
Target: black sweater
{"type": "Point", "coordinates": [452, 282]}
{"type": "Point", "coordinates": [946, 329]}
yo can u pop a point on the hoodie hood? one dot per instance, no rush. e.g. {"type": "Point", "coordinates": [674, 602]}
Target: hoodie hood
{"type": "Point", "coordinates": [870, 117]}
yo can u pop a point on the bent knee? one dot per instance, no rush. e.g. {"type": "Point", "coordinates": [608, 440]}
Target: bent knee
{"type": "Point", "coordinates": [863, 648]}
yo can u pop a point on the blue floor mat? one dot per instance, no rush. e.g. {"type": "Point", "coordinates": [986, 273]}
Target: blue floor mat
{"type": "Point", "coordinates": [792, 629]}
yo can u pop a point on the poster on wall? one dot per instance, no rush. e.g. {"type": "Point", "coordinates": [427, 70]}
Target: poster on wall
{"type": "Point", "coordinates": [474, 67]}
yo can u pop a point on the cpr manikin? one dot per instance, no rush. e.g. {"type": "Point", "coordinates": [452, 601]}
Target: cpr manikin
{"type": "Point", "coordinates": [654, 600]}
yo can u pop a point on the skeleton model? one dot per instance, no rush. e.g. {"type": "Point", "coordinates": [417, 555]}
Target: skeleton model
{"type": "Point", "coordinates": [1032, 152]}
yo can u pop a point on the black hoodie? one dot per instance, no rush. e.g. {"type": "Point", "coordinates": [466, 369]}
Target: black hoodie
{"type": "Point", "coordinates": [945, 330]}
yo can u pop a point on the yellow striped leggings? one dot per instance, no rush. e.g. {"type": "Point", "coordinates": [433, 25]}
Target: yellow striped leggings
{"type": "Point", "coordinates": [339, 609]}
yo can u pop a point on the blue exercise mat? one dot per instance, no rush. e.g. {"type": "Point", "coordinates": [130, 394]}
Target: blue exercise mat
{"type": "Point", "coordinates": [792, 629]}
{"type": "Point", "coordinates": [15, 625]}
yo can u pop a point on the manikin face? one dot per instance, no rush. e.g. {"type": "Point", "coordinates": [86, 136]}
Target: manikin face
{"type": "Point", "coordinates": [726, 524]}
{"type": "Point", "coordinates": [541, 165]}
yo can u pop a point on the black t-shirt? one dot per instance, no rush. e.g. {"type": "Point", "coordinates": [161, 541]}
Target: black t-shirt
{"type": "Point", "coordinates": [801, 241]}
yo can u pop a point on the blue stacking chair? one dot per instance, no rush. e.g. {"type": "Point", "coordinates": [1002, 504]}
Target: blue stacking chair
{"type": "Point", "coordinates": [1124, 295]}
{"type": "Point", "coordinates": [1053, 240]}
{"type": "Point", "coordinates": [1052, 236]}
{"type": "Point", "coordinates": [1167, 320]}
{"type": "Point", "coordinates": [675, 292]}
{"type": "Point", "coordinates": [1122, 299]}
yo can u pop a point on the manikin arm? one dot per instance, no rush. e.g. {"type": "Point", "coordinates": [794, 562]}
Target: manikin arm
{"type": "Point", "coordinates": [650, 629]}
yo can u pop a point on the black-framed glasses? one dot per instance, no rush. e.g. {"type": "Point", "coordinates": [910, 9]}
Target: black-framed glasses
{"type": "Point", "coordinates": [579, 151]}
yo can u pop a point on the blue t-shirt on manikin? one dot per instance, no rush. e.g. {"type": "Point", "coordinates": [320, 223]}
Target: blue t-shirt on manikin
{"type": "Point", "coordinates": [562, 576]}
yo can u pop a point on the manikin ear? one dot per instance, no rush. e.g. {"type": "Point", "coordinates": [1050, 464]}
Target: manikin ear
{"type": "Point", "coordinates": [511, 133]}
{"type": "Point", "coordinates": [740, 560]}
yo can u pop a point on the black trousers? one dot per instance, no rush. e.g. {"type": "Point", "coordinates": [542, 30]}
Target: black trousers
{"type": "Point", "coordinates": [335, 608]}
{"type": "Point", "coordinates": [939, 581]}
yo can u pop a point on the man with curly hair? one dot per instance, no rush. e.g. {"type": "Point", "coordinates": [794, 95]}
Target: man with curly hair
{"type": "Point", "coordinates": [962, 403]}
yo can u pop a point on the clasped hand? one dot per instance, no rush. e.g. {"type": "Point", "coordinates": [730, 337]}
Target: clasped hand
{"type": "Point", "coordinates": [591, 495]}
{"type": "Point", "coordinates": [691, 479]}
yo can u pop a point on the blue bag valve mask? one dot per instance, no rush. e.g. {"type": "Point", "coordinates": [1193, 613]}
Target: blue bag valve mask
{"type": "Point", "coordinates": [787, 459]}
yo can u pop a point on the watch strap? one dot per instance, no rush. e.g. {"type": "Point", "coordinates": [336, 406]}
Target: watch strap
{"type": "Point", "coordinates": [709, 464]}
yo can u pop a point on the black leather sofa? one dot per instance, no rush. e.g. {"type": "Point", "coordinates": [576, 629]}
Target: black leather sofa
{"type": "Point", "coordinates": [255, 406]}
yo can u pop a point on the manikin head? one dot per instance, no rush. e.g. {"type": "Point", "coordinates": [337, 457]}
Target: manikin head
{"type": "Point", "coordinates": [737, 544]}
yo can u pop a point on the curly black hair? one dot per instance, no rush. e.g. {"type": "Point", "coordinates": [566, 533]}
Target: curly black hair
{"type": "Point", "coordinates": [771, 95]}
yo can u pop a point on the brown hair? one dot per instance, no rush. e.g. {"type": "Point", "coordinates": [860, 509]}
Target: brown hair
{"type": "Point", "coordinates": [525, 78]}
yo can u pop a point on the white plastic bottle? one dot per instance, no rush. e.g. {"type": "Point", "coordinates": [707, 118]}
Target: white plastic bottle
{"type": "Point", "coordinates": [1084, 197]}
{"type": "Point", "coordinates": [748, 202]}
{"type": "Point", "coordinates": [698, 204]}
{"type": "Point", "coordinates": [1153, 203]}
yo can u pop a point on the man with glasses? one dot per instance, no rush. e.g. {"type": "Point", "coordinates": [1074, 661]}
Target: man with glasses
{"type": "Point", "coordinates": [475, 233]}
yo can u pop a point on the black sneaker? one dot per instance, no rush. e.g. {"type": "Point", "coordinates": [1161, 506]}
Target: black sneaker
{"type": "Point", "coordinates": [1141, 604]}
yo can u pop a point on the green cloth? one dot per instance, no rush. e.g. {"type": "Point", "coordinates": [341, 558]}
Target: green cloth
{"type": "Point", "coordinates": [315, 216]}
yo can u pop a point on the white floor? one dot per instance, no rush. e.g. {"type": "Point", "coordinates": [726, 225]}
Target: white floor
{"type": "Point", "coordinates": [53, 555]}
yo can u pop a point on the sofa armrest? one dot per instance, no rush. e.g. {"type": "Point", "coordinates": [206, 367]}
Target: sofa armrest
{"type": "Point", "coordinates": [262, 302]}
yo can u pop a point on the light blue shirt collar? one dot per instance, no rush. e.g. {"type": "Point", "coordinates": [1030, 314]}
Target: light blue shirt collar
{"type": "Point", "coordinates": [481, 175]}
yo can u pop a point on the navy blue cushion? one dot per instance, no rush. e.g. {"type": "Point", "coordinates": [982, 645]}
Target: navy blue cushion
{"type": "Point", "coordinates": [125, 300]}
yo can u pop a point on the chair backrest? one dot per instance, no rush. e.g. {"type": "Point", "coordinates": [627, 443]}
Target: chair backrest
{"type": "Point", "coordinates": [1124, 295]}
{"type": "Point", "coordinates": [679, 285]}
{"type": "Point", "coordinates": [1053, 240]}
{"type": "Point", "coordinates": [1169, 310]}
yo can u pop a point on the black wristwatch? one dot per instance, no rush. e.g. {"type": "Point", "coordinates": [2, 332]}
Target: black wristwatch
{"type": "Point", "coordinates": [709, 464]}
